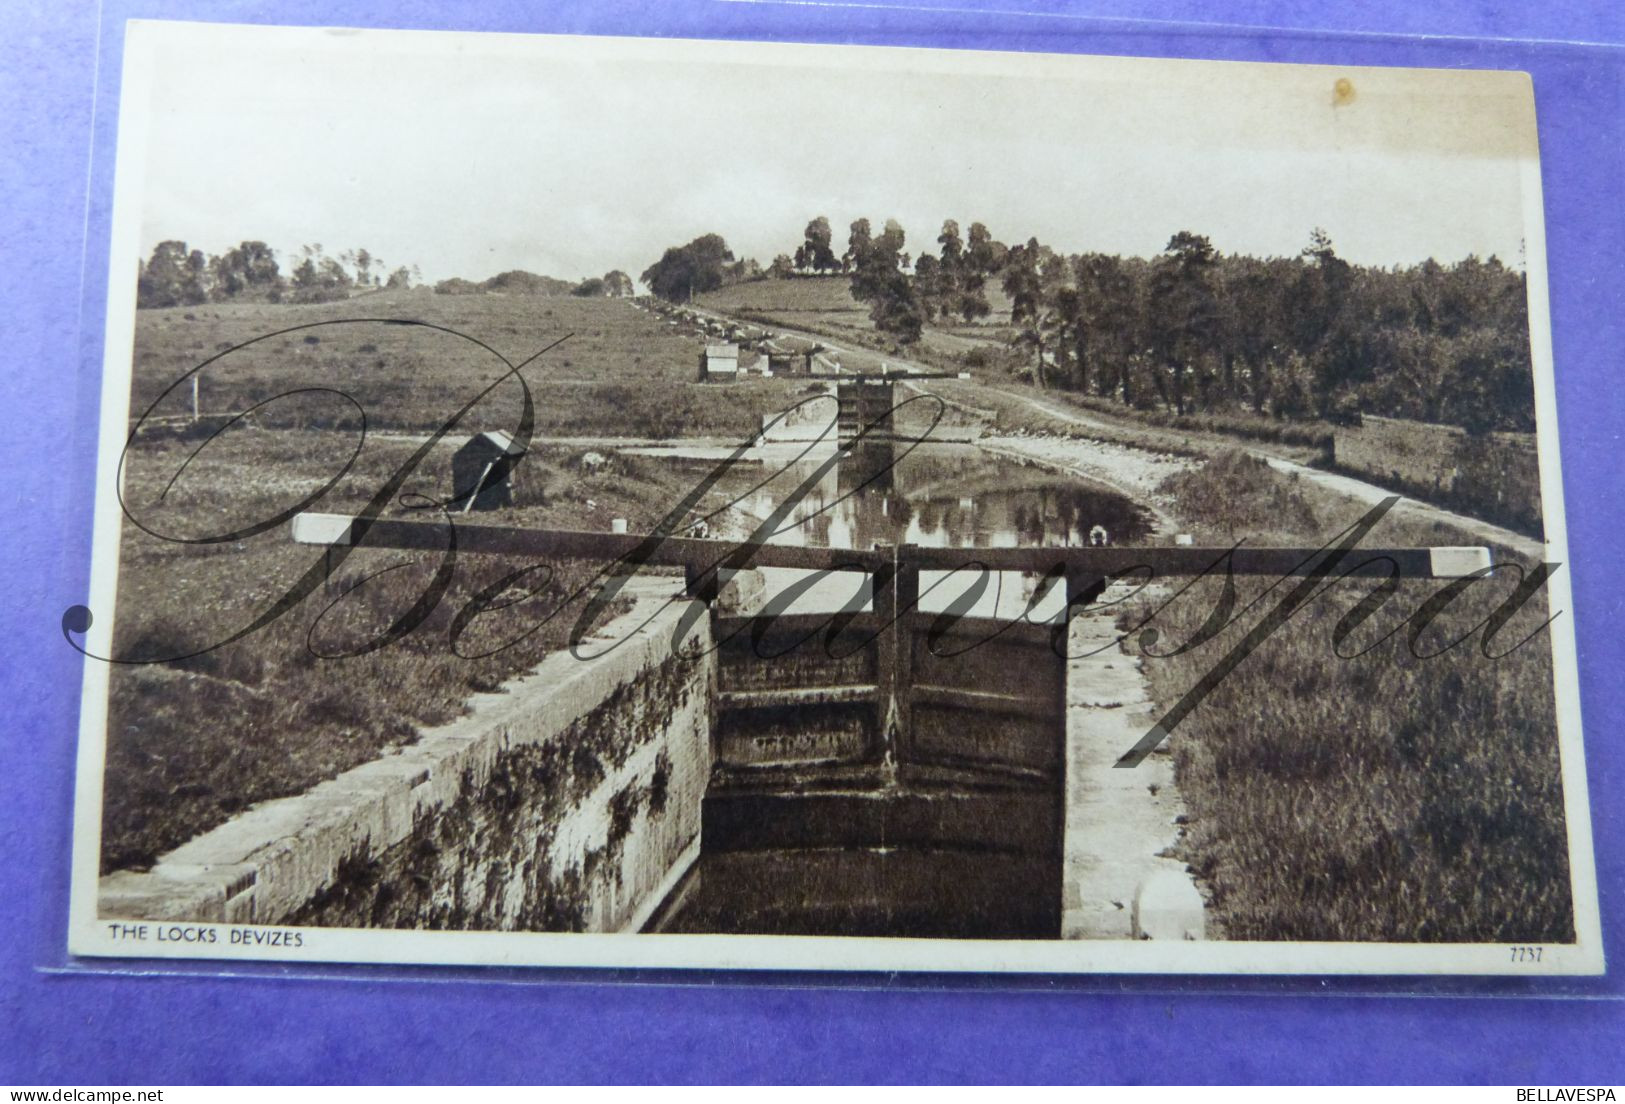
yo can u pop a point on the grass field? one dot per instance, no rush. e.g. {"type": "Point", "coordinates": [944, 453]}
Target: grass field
{"type": "Point", "coordinates": [1379, 797]}
{"type": "Point", "coordinates": [1492, 475]}
{"type": "Point", "coordinates": [619, 371]}
{"type": "Point", "coordinates": [192, 741]}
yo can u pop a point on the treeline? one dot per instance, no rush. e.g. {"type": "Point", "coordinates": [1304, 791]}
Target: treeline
{"type": "Point", "coordinates": [614, 283]}
{"type": "Point", "coordinates": [1190, 330]}
{"type": "Point", "coordinates": [1310, 336]}
{"type": "Point", "coordinates": [177, 276]}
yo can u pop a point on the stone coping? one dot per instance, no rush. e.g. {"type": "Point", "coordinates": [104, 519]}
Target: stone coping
{"type": "Point", "coordinates": [269, 860]}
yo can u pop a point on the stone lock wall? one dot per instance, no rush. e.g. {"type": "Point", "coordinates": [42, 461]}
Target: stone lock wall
{"type": "Point", "coordinates": [568, 803]}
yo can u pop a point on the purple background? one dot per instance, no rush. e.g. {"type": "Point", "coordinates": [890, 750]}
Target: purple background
{"type": "Point", "coordinates": [79, 1027]}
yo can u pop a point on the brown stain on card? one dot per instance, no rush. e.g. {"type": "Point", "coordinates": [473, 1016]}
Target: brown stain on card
{"type": "Point", "coordinates": [1342, 92]}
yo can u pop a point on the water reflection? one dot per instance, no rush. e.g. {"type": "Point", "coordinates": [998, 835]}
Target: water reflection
{"type": "Point", "coordinates": [933, 495]}
{"type": "Point", "coordinates": [939, 496]}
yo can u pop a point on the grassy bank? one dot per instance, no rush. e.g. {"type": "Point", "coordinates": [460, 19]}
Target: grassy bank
{"type": "Point", "coordinates": [193, 741]}
{"type": "Point", "coordinates": [1379, 797]}
{"type": "Point", "coordinates": [617, 371]}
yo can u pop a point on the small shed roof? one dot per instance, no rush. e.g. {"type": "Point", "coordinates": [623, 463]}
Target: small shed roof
{"type": "Point", "coordinates": [723, 351]}
{"type": "Point", "coordinates": [497, 441]}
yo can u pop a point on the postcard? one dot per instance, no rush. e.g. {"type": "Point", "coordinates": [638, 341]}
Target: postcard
{"type": "Point", "coordinates": [575, 501]}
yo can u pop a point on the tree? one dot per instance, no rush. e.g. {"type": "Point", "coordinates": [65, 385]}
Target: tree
{"type": "Point", "coordinates": [742, 271]}
{"type": "Point", "coordinates": [618, 284]}
{"type": "Point", "coordinates": [1293, 395]}
{"type": "Point", "coordinates": [590, 288]}
{"type": "Point", "coordinates": [858, 240]}
{"type": "Point", "coordinates": [685, 271]}
{"type": "Point", "coordinates": [1022, 284]}
{"type": "Point", "coordinates": [334, 276]}
{"type": "Point", "coordinates": [971, 303]}
{"type": "Point", "coordinates": [952, 282]}
{"type": "Point", "coordinates": [984, 255]}
{"type": "Point", "coordinates": [1061, 321]}
{"type": "Point", "coordinates": [879, 280]}
{"type": "Point", "coordinates": [362, 261]}
{"type": "Point", "coordinates": [305, 280]}
{"type": "Point", "coordinates": [195, 289]}
{"type": "Point", "coordinates": [783, 268]}
{"type": "Point", "coordinates": [1184, 313]}
{"type": "Point", "coordinates": [966, 268]}
{"type": "Point", "coordinates": [1254, 327]}
{"type": "Point", "coordinates": [319, 278]}
{"type": "Point", "coordinates": [400, 279]}
{"type": "Point", "coordinates": [173, 277]}
{"type": "Point", "coordinates": [953, 249]}
{"type": "Point", "coordinates": [931, 286]}
{"type": "Point", "coordinates": [1108, 321]}
{"type": "Point", "coordinates": [248, 271]}
{"type": "Point", "coordinates": [516, 281]}
{"type": "Point", "coordinates": [1316, 303]}
{"type": "Point", "coordinates": [815, 253]}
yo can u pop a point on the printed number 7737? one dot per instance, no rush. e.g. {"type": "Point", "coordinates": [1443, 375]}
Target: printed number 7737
{"type": "Point", "coordinates": [1526, 954]}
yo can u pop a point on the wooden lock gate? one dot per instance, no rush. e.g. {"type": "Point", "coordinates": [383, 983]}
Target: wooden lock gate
{"type": "Point", "coordinates": [916, 761]}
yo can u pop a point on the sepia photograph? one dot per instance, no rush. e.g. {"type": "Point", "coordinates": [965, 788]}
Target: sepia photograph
{"type": "Point", "coordinates": [573, 501]}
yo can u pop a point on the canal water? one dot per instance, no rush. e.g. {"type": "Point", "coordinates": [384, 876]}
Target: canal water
{"type": "Point", "coordinates": [933, 495]}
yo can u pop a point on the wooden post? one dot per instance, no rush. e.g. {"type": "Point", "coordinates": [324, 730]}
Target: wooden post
{"type": "Point", "coordinates": [704, 585]}
{"type": "Point", "coordinates": [896, 596]}
{"type": "Point", "coordinates": [195, 377]}
{"type": "Point", "coordinates": [1082, 589]}
{"type": "Point", "coordinates": [906, 580]}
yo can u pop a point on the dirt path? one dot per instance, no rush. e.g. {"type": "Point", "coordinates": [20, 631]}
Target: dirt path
{"type": "Point", "coordinates": [1367, 494]}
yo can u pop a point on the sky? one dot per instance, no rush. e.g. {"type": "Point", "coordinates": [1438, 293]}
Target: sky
{"type": "Point", "coordinates": [472, 154]}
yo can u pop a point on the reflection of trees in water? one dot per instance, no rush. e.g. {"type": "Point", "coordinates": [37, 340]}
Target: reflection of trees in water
{"type": "Point", "coordinates": [866, 477]}
{"type": "Point", "coordinates": [929, 517]}
{"type": "Point", "coordinates": [901, 511]}
{"type": "Point", "coordinates": [1028, 524]}
{"type": "Point", "coordinates": [956, 499]}
{"type": "Point", "coordinates": [1040, 516]}
{"type": "Point", "coordinates": [871, 466]}
{"type": "Point", "coordinates": [816, 529]}
{"type": "Point", "coordinates": [1066, 512]}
